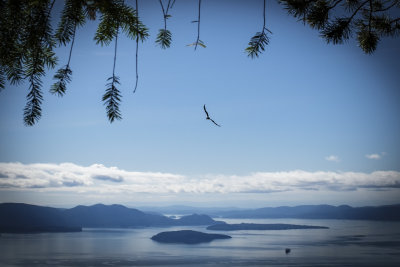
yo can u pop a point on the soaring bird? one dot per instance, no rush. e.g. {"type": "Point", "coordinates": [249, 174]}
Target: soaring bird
{"type": "Point", "coordinates": [208, 117]}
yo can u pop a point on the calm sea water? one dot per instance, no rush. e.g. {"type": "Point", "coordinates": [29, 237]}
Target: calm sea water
{"type": "Point", "coordinates": [346, 243]}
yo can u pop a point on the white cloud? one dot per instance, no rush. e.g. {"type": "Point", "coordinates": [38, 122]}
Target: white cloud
{"type": "Point", "coordinates": [97, 178]}
{"type": "Point", "coordinates": [375, 156]}
{"type": "Point", "coordinates": [332, 158]}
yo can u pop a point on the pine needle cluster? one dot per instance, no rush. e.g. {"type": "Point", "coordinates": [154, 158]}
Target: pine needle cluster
{"type": "Point", "coordinates": [164, 36]}
{"type": "Point", "coordinates": [112, 98]}
{"type": "Point", "coordinates": [338, 20]}
{"type": "Point", "coordinates": [259, 41]}
{"type": "Point", "coordinates": [198, 42]}
{"type": "Point", "coordinates": [28, 40]}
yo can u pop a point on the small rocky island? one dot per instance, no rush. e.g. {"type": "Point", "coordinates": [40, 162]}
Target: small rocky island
{"type": "Point", "coordinates": [187, 237]}
{"type": "Point", "coordinates": [255, 226]}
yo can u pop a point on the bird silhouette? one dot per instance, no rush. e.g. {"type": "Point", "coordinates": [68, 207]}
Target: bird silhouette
{"type": "Point", "coordinates": [208, 116]}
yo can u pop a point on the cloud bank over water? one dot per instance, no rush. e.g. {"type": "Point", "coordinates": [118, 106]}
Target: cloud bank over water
{"type": "Point", "coordinates": [103, 179]}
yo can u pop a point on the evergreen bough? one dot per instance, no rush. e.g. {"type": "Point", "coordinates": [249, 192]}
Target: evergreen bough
{"type": "Point", "coordinates": [28, 41]}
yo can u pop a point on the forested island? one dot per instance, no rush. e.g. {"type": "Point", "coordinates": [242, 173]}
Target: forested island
{"type": "Point", "coordinates": [256, 226]}
{"type": "Point", "coordinates": [187, 237]}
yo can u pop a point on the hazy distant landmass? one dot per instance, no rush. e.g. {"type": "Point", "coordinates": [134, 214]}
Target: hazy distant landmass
{"type": "Point", "coordinates": [23, 218]}
{"type": "Point", "coordinates": [19, 217]}
{"type": "Point", "coordinates": [382, 213]}
{"type": "Point", "coordinates": [256, 226]}
{"type": "Point", "coordinates": [182, 209]}
{"type": "Point", "coordinates": [187, 237]}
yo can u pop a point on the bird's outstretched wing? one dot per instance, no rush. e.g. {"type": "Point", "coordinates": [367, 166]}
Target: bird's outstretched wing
{"type": "Point", "coordinates": [215, 122]}
{"type": "Point", "coordinates": [208, 116]}
{"type": "Point", "coordinates": [205, 110]}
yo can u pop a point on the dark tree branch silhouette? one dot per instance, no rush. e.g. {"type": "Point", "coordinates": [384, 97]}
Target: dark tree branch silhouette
{"type": "Point", "coordinates": [137, 50]}
{"type": "Point", "coordinates": [72, 17]}
{"type": "Point", "coordinates": [40, 53]}
{"type": "Point", "coordinates": [338, 20]}
{"type": "Point", "coordinates": [258, 41]}
{"type": "Point", "coordinates": [112, 96]}
{"type": "Point", "coordinates": [63, 75]}
{"type": "Point", "coordinates": [28, 42]}
{"type": "Point", "coordinates": [164, 36]}
{"type": "Point", "coordinates": [198, 41]}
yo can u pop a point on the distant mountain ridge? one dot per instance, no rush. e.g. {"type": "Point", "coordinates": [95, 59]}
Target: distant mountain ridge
{"type": "Point", "coordinates": [383, 213]}
{"type": "Point", "coordinates": [26, 218]}
{"type": "Point", "coordinates": [20, 217]}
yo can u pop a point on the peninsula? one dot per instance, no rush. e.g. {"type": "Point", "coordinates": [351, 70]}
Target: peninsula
{"type": "Point", "coordinates": [255, 226]}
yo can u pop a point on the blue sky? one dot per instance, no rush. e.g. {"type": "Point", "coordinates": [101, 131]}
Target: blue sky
{"type": "Point", "coordinates": [321, 114]}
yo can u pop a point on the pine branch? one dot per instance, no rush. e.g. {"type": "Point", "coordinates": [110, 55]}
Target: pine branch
{"type": "Point", "coordinates": [382, 24]}
{"type": "Point", "coordinates": [369, 18]}
{"type": "Point", "coordinates": [388, 7]}
{"type": "Point", "coordinates": [337, 31]}
{"type": "Point", "coordinates": [137, 50]}
{"type": "Point", "coordinates": [115, 15]}
{"type": "Point", "coordinates": [198, 28]}
{"type": "Point", "coordinates": [395, 21]}
{"type": "Point", "coordinates": [164, 36]}
{"type": "Point", "coordinates": [296, 8]}
{"type": "Point", "coordinates": [318, 14]}
{"type": "Point", "coordinates": [33, 110]}
{"type": "Point", "coordinates": [340, 29]}
{"type": "Point", "coordinates": [12, 19]}
{"type": "Point", "coordinates": [367, 40]}
{"type": "Point", "coordinates": [63, 75]}
{"type": "Point", "coordinates": [14, 68]}
{"type": "Point", "coordinates": [2, 79]}
{"type": "Point", "coordinates": [38, 56]}
{"type": "Point", "coordinates": [258, 41]}
{"type": "Point", "coordinates": [198, 42]}
{"type": "Point", "coordinates": [72, 16]}
{"type": "Point", "coordinates": [112, 96]}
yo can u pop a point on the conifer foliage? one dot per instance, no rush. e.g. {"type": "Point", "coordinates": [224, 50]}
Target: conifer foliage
{"type": "Point", "coordinates": [259, 40]}
{"type": "Point", "coordinates": [72, 17]}
{"type": "Point", "coordinates": [198, 41]}
{"type": "Point", "coordinates": [164, 36]}
{"type": "Point", "coordinates": [338, 20]}
{"type": "Point", "coordinates": [28, 41]}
